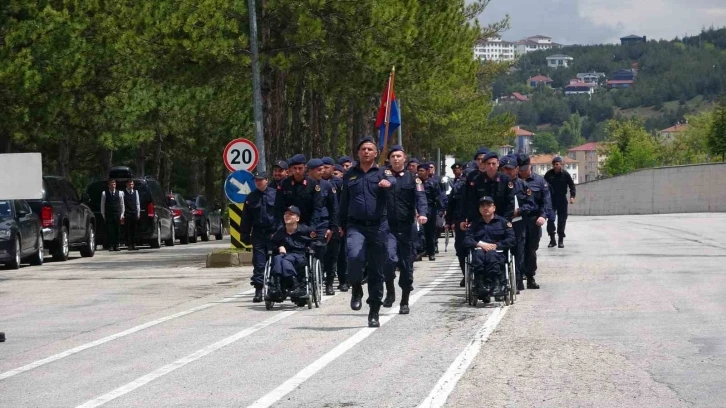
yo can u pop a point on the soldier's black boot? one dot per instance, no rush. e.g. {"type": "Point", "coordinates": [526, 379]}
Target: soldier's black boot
{"type": "Point", "coordinates": [357, 297]}
{"type": "Point", "coordinates": [373, 316]}
{"type": "Point", "coordinates": [390, 294]}
{"type": "Point", "coordinates": [561, 242]}
{"type": "Point", "coordinates": [258, 296]}
{"type": "Point", "coordinates": [2, 337]}
{"type": "Point", "coordinates": [552, 243]}
{"type": "Point", "coordinates": [531, 284]}
{"type": "Point", "coordinates": [329, 291]}
{"type": "Point", "coordinates": [404, 302]}
{"type": "Point", "coordinates": [298, 290]}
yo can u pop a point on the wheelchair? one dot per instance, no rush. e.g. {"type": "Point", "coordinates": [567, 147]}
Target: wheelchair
{"type": "Point", "coordinates": [312, 278]}
{"type": "Point", "coordinates": [510, 296]}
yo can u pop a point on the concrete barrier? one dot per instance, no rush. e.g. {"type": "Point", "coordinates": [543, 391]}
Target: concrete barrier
{"type": "Point", "coordinates": [663, 190]}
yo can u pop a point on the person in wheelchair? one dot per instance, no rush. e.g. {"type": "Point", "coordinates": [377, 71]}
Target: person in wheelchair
{"type": "Point", "coordinates": [490, 233]}
{"type": "Point", "coordinates": [291, 243]}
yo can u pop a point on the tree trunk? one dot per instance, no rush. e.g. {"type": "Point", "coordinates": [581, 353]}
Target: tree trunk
{"type": "Point", "coordinates": [351, 124]}
{"type": "Point", "coordinates": [157, 157]}
{"type": "Point", "coordinates": [63, 157]}
{"type": "Point", "coordinates": [106, 162]}
{"type": "Point", "coordinates": [209, 177]}
{"type": "Point", "coordinates": [194, 178]}
{"type": "Point", "coordinates": [6, 141]}
{"type": "Point", "coordinates": [295, 139]}
{"type": "Point", "coordinates": [141, 160]}
{"type": "Point", "coordinates": [166, 181]}
{"type": "Point", "coordinates": [335, 127]}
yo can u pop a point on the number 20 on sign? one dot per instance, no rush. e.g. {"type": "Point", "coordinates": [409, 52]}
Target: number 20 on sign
{"type": "Point", "coordinates": [241, 154]}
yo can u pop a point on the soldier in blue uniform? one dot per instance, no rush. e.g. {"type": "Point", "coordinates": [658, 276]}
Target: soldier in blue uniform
{"type": "Point", "coordinates": [363, 217]}
{"type": "Point", "coordinates": [559, 180]}
{"type": "Point", "coordinates": [412, 166]}
{"type": "Point", "coordinates": [453, 209]}
{"type": "Point", "coordinates": [345, 162]}
{"type": "Point", "coordinates": [433, 201]}
{"type": "Point", "coordinates": [490, 233]}
{"type": "Point", "coordinates": [536, 217]}
{"type": "Point", "coordinates": [301, 191]}
{"type": "Point", "coordinates": [487, 181]}
{"type": "Point", "coordinates": [406, 199]}
{"type": "Point", "coordinates": [338, 172]}
{"type": "Point", "coordinates": [328, 227]}
{"type": "Point", "coordinates": [258, 224]}
{"type": "Point", "coordinates": [290, 242]}
{"type": "Point", "coordinates": [523, 195]}
{"type": "Point", "coordinates": [279, 172]}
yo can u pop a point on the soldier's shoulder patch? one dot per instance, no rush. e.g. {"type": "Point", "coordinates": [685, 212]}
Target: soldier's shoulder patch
{"type": "Point", "coordinates": [418, 180]}
{"type": "Point", "coordinates": [317, 188]}
{"type": "Point", "coordinates": [511, 185]}
{"type": "Point", "coordinates": [544, 183]}
{"type": "Point", "coordinates": [353, 178]}
{"type": "Point", "coordinates": [333, 190]}
{"type": "Point", "coordinates": [529, 191]}
{"type": "Point", "coordinates": [509, 225]}
{"type": "Point", "coordinates": [313, 234]}
{"type": "Point", "coordinates": [388, 173]}
{"type": "Point", "coordinates": [471, 183]}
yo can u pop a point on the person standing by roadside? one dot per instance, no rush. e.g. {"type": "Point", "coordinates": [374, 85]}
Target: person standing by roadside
{"type": "Point", "coordinates": [112, 211]}
{"type": "Point", "coordinates": [131, 215]}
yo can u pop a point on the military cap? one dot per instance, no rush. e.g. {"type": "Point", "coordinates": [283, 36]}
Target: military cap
{"type": "Point", "coordinates": [297, 159]}
{"type": "Point", "coordinates": [366, 139]}
{"type": "Point", "coordinates": [480, 151]}
{"type": "Point", "coordinates": [557, 159]}
{"type": "Point", "coordinates": [509, 161]}
{"type": "Point", "coordinates": [314, 163]}
{"type": "Point", "coordinates": [491, 155]}
{"type": "Point", "coordinates": [281, 164]}
{"type": "Point", "coordinates": [395, 148]}
{"type": "Point", "coordinates": [338, 167]}
{"type": "Point", "coordinates": [486, 199]}
{"type": "Point", "coordinates": [345, 159]}
{"type": "Point", "coordinates": [260, 175]}
{"type": "Point", "coordinates": [455, 166]}
{"type": "Point", "coordinates": [328, 161]}
{"type": "Point", "coordinates": [293, 209]}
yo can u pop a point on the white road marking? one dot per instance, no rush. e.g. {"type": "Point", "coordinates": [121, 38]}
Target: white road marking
{"type": "Point", "coordinates": [116, 336]}
{"type": "Point", "coordinates": [441, 391]}
{"type": "Point", "coordinates": [140, 382]}
{"type": "Point", "coordinates": [307, 372]}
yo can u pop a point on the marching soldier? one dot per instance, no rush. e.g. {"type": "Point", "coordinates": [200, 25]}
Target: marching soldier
{"type": "Point", "coordinates": [559, 180]}
{"type": "Point", "coordinates": [328, 226]}
{"type": "Point", "coordinates": [487, 181]}
{"type": "Point", "coordinates": [536, 217]}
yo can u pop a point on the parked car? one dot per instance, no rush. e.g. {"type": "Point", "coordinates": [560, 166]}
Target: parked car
{"type": "Point", "coordinates": [156, 223]}
{"type": "Point", "coordinates": [67, 223]}
{"type": "Point", "coordinates": [21, 237]}
{"type": "Point", "coordinates": [185, 226]}
{"type": "Point", "coordinates": [209, 220]}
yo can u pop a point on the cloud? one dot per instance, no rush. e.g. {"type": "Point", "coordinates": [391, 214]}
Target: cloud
{"type": "Point", "coordinates": [604, 21]}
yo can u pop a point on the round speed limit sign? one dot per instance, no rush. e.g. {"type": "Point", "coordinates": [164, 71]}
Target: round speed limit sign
{"type": "Point", "coordinates": [241, 154]}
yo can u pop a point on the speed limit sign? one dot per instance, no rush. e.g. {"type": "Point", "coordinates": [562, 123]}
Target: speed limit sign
{"type": "Point", "coordinates": [241, 154]}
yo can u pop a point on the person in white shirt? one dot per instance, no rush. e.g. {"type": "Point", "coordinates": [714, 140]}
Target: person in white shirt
{"type": "Point", "coordinates": [112, 210]}
{"type": "Point", "coordinates": [131, 214]}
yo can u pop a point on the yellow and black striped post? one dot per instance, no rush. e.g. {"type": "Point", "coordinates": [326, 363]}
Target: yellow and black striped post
{"type": "Point", "coordinates": [235, 224]}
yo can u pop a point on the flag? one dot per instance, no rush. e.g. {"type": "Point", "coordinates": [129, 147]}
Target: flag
{"type": "Point", "coordinates": [394, 115]}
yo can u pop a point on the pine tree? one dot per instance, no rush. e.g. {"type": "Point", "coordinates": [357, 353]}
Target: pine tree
{"type": "Point", "coordinates": [717, 135]}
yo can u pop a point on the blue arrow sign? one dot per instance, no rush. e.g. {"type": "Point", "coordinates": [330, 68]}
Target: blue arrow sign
{"type": "Point", "coordinates": [238, 185]}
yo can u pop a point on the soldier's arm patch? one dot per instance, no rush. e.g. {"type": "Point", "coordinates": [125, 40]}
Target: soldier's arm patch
{"type": "Point", "coordinates": [509, 225]}
{"type": "Point", "coordinates": [388, 173]}
{"type": "Point", "coordinates": [313, 234]}
{"type": "Point", "coordinates": [317, 188]}
{"type": "Point", "coordinates": [511, 185]}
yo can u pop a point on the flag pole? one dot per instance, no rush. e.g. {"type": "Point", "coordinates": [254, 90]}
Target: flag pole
{"type": "Point", "coordinates": [391, 80]}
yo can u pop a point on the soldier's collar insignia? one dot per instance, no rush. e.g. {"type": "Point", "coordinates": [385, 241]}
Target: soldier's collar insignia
{"type": "Point", "coordinates": [317, 188]}
{"type": "Point", "coordinates": [511, 185]}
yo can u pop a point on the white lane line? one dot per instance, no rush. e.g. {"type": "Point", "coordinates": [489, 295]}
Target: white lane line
{"type": "Point", "coordinates": [307, 372]}
{"type": "Point", "coordinates": [116, 336]}
{"type": "Point", "coordinates": [141, 381]}
{"type": "Point", "coordinates": [441, 391]}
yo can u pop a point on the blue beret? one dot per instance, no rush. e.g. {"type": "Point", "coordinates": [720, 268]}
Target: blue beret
{"type": "Point", "coordinates": [424, 166]}
{"type": "Point", "coordinates": [260, 175]}
{"type": "Point", "coordinates": [281, 164]}
{"type": "Point", "coordinates": [293, 209]}
{"type": "Point", "coordinates": [395, 148]}
{"type": "Point", "coordinates": [491, 155]}
{"type": "Point", "coordinates": [480, 151]}
{"type": "Point", "coordinates": [314, 163]}
{"type": "Point", "coordinates": [509, 161]}
{"type": "Point", "coordinates": [328, 161]}
{"type": "Point", "coordinates": [297, 159]}
{"type": "Point", "coordinates": [486, 199]}
{"type": "Point", "coordinates": [366, 139]}
{"type": "Point", "coordinates": [455, 166]}
{"type": "Point", "coordinates": [523, 160]}
{"type": "Point", "coordinates": [557, 159]}
{"type": "Point", "coordinates": [338, 167]}
{"type": "Point", "coordinates": [344, 159]}
{"type": "Point", "coordinates": [413, 161]}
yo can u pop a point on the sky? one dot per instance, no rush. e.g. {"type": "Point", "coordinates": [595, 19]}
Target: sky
{"type": "Point", "coordinates": [605, 21]}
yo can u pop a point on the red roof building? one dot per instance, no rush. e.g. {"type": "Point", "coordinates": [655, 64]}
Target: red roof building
{"type": "Point", "coordinates": [539, 79]}
{"type": "Point", "coordinates": [589, 160]}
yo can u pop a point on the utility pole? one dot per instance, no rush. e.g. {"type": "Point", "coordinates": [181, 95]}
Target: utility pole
{"type": "Point", "coordinates": [257, 87]}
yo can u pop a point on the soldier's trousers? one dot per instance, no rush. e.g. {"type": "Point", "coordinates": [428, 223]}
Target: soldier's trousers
{"type": "Point", "coordinates": [401, 255]}
{"type": "Point", "coordinates": [531, 245]}
{"type": "Point", "coordinates": [560, 207]}
{"type": "Point", "coordinates": [366, 247]}
{"type": "Point", "coordinates": [520, 232]}
{"type": "Point", "coordinates": [330, 260]}
{"type": "Point", "coordinates": [489, 264]}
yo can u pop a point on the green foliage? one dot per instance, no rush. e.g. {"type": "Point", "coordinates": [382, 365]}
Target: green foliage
{"type": "Point", "coordinates": [570, 134]}
{"type": "Point", "coordinates": [546, 143]}
{"type": "Point", "coordinates": [628, 147]}
{"type": "Point", "coordinates": [717, 134]}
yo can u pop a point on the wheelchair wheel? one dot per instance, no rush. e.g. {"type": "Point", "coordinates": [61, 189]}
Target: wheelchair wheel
{"type": "Point", "coordinates": [513, 281]}
{"type": "Point", "coordinates": [266, 284]}
{"type": "Point", "coordinates": [318, 273]}
{"type": "Point", "coordinates": [468, 280]}
{"type": "Point", "coordinates": [508, 294]}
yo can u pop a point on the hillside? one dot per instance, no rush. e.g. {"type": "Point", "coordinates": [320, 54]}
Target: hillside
{"type": "Point", "coordinates": [673, 78]}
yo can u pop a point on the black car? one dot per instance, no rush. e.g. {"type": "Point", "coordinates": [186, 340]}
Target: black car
{"type": "Point", "coordinates": [185, 226]}
{"type": "Point", "coordinates": [68, 224]}
{"type": "Point", "coordinates": [21, 236]}
{"type": "Point", "coordinates": [156, 223]}
{"type": "Point", "coordinates": [209, 220]}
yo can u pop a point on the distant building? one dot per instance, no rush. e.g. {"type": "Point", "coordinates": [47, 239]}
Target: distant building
{"type": "Point", "coordinates": [494, 49]}
{"type": "Point", "coordinates": [538, 80]}
{"type": "Point", "coordinates": [624, 75]}
{"type": "Point", "coordinates": [534, 43]}
{"type": "Point", "coordinates": [619, 84]}
{"type": "Point", "coordinates": [523, 140]}
{"type": "Point", "coordinates": [667, 135]}
{"type": "Point", "coordinates": [577, 87]}
{"type": "Point", "coordinates": [542, 163]}
{"type": "Point", "coordinates": [588, 161]}
{"type": "Point", "coordinates": [632, 39]}
{"type": "Point", "coordinates": [505, 150]}
{"type": "Point", "coordinates": [559, 61]}
{"type": "Point", "coordinates": [514, 97]}
{"type": "Point", "coordinates": [590, 77]}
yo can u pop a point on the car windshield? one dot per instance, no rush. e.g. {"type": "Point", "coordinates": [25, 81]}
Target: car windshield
{"type": "Point", "coordinates": [5, 210]}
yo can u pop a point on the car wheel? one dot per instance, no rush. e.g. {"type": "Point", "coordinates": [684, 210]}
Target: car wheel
{"type": "Point", "coordinates": [60, 253]}
{"type": "Point", "coordinates": [37, 258]}
{"type": "Point", "coordinates": [89, 249]}
{"type": "Point", "coordinates": [172, 238]}
{"type": "Point", "coordinates": [183, 240]}
{"type": "Point", "coordinates": [220, 235]}
{"type": "Point", "coordinates": [15, 262]}
{"type": "Point", "coordinates": [193, 233]}
{"type": "Point", "coordinates": [155, 243]}
{"type": "Point", "coordinates": [206, 233]}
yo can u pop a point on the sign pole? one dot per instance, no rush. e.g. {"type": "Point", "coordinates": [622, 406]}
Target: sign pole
{"type": "Point", "coordinates": [256, 85]}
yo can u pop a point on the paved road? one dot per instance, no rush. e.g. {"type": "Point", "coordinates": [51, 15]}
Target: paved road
{"type": "Point", "coordinates": [630, 314]}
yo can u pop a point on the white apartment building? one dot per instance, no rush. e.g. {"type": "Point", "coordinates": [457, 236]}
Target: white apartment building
{"type": "Point", "coordinates": [535, 43]}
{"type": "Point", "coordinates": [494, 49]}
